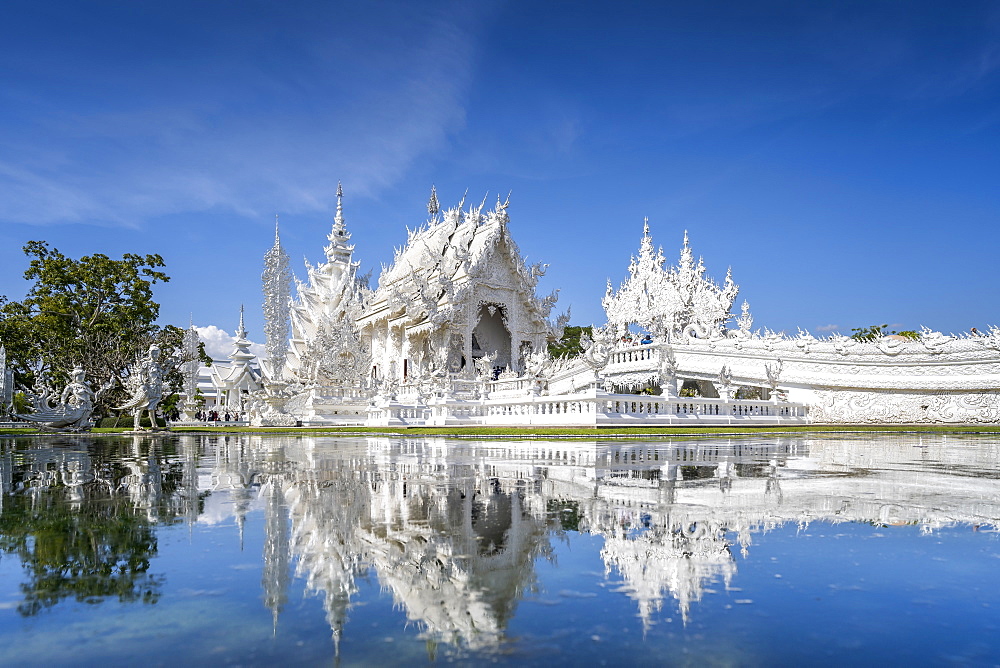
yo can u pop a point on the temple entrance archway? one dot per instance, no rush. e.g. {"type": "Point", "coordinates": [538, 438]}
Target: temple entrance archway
{"type": "Point", "coordinates": [491, 335]}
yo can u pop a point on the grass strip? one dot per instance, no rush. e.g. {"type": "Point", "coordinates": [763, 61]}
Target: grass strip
{"type": "Point", "coordinates": [580, 432]}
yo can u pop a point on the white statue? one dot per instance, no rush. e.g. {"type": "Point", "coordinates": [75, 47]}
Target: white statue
{"type": "Point", "coordinates": [146, 384]}
{"type": "Point", "coordinates": [75, 407]}
{"type": "Point", "coordinates": [597, 348]}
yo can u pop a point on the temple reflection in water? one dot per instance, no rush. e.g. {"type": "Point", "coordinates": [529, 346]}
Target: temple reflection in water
{"type": "Point", "coordinates": [453, 529]}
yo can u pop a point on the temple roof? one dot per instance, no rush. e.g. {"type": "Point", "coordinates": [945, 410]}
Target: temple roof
{"type": "Point", "coordinates": [453, 244]}
{"type": "Point", "coordinates": [441, 257]}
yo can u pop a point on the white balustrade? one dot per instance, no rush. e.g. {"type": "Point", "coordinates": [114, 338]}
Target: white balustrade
{"type": "Point", "coordinates": [595, 408]}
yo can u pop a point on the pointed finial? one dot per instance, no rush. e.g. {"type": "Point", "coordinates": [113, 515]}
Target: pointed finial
{"type": "Point", "coordinates": [432, 205]}
{"type": "Point", "coordinates": [339, 219]}
{"type": "Point", "coordinates": [241, 332]}
{"type": "Point", "coordinates": [502, 209]}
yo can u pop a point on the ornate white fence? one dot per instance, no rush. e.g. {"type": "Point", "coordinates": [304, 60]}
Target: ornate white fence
{"type": "Point", "coordinates": [592, 408]}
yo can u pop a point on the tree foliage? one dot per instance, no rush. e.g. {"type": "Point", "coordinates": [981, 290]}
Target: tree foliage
{"type": "Point", "coordinates": [873, 332]}
{"type": "Point", "coordinates": [569, 344]}
{"type": "Point", "coordinates": [95, 312]}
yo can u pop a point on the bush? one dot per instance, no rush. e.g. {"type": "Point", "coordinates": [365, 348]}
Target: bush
{"type": "Point", "coordinates": [126, 421]}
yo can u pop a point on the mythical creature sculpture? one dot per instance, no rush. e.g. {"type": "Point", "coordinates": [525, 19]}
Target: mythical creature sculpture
{"type": "Point", "coordinates": [934, 341]}
{"type": "Point", "coordinates": [773, 373]}
{"type": "Point", "coordinates": [537, 363]}
{"type": "Point", "coordinates": [484, 366]}
{"type": "Point", "coordinates": [597, 350]}
{"type": "Point", "coordinates": [668, 372]}
{"type": "Point", "coordinates": [146, 384]}
{"type": "Point", "coordinates": [75, 407]}
{"type": "Point", "coordinates": [726, 382]}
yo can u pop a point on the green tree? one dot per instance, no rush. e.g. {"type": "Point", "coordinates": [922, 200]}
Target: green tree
{"type": "Point", "coordinates": [96, 312]}
{"type": "Point", "coordinates": [873, 332]}
{"type": "Point", "coordinates": [569, 344]}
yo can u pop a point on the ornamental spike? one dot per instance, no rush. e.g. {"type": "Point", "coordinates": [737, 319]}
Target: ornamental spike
{"type": "Point", "coordinates": [241, 332]}
{"type": "Point", "coordinates": [432, 205]}
{"type": "Point", "coordinates": [339, 219]}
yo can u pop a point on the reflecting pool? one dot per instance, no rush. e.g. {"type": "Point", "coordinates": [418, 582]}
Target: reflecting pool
{"type": "Point", "coordinates": [252, 550]}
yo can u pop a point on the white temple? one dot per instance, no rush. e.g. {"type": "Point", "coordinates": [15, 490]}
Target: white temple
{"type": "Point", "coordinates": [454, 334]}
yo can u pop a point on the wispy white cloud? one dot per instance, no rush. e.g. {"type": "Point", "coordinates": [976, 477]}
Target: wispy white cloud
{"type": "Point", "coordinates": [361, 107]}
{"type": "Point", "coordinates": [828, 328]}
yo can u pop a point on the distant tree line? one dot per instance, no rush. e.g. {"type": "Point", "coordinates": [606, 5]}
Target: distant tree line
{"type": "Point", "coordinates": [873, 332]}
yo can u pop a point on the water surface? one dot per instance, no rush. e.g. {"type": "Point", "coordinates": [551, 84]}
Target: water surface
{"type": "Point", "coordinates": [309, 550]}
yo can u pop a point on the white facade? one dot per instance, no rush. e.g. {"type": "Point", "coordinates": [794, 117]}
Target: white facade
{"type": "Point", "coordinates": [458, 293]}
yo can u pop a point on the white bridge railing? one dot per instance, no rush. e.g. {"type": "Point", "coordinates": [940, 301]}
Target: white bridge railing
{"type": "Point", "coordinates": [636, 353]}
{"type": "Point", "coordinates": [591, 408]}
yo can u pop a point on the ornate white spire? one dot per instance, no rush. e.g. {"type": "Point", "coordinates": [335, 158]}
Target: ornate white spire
{"type": "Point", "coordinates": [277, 287]}
{"type": "Point", "coordinates": [189, 369]}
{"type": "Point", "coordinates": [241, 332]}
{"type": "Point", "coordinates": [6, 380]}
{"type": "Point", "coordinates": [338, 249]}
{"type": "Point", "coordinates": [501, 209]}
{"type": "Point", "coordinates": [432, 205]}
{"type": "Point", "coordinates": [339, 218]}
{"type": "Point", "coordinates": [241, 346]}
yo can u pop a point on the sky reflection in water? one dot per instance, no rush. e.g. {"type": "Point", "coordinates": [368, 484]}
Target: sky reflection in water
{"type": "Point", "coordinates": [254, 550]}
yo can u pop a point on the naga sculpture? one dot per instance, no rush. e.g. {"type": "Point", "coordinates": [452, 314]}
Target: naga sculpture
{"type": "Point", "coordinates": [75, 407]}
{"type": "Point", "coordinates": [146, 384]}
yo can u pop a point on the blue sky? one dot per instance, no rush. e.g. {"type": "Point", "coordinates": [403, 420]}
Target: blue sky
{"type": "Point", "coordinates": [842, 157]}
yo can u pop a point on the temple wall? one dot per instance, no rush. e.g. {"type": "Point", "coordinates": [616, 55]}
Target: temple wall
{"type": "Point", "coordinates": [911, 382]}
